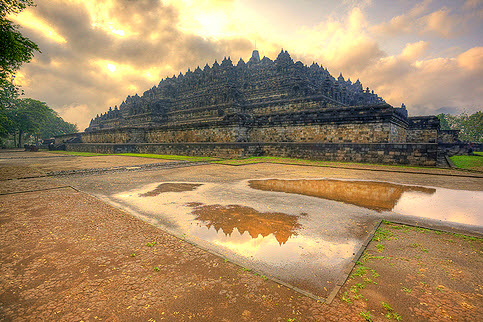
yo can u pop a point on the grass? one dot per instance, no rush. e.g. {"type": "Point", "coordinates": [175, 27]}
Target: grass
{"type": "Point", "coordinates": [366, 316]}
{"type": "Point", "coordinates": [386, 306]}
{"type": "Point", "coordinates": [382, 234]}
{"type": "Point", "coordinates": [140, 155]}
{"type": "Point", "coordinates": [467, 161]}
{"type": "Point", "coordinates": [345, 297]}
{"type": "Point", "coordinates": [268, 159]}
{"type": "Point", "coordinates": [81, 154]}
{"type": "Point", "coordinates": [168, 157]}
{"type": "Point", "coordinates": [405, 289]}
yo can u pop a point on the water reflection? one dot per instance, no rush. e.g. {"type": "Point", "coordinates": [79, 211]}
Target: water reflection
{"type": "Point", "coordinates": [170, 187]}
{"type": "Point", "coordinates": [269, 231]}
{"type": "Point", "coordinates": [373, 195]}
{"type": "Point", "coordinates": [247, 219]}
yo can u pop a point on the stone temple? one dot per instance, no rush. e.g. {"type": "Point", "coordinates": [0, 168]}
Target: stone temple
{"type": "Point", "coordinates": [266, 107]}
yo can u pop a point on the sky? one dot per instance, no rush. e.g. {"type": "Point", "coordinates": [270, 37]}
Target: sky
{"type": "Point", "coordinates": [425, 54]}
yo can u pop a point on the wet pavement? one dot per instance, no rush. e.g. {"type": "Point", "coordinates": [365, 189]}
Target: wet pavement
{"type": "Point", "coordinates": [302, 241]}
{"type": "Point", "coordinates": [303, 232]}
{"type": "Point", "coordinates": [300, 226]}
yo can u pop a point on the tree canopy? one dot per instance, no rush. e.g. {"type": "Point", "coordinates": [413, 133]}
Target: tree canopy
{"type": "Point", "coordinates": [27, 118]}
{"type": "Point", "coordinates": [15, 49]}
{"type": "Point", "coordinates": [470, 126]}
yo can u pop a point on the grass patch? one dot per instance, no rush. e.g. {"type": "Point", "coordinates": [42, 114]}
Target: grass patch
{"type": "Point", "coordinates": [366, 315]}
{"type": "Point", "coordinates": [468, 237]}
{"type": "Point", "coordinates": [467, 161]}
{"type": "Point", "coordinates": [382, 234]}
{"type": "Point", "coordinates": [81, 154]}
{"type": "Point", "coordinates": [345, 297]}
{"type": "Point", "coordinates": [268, 159]}
{"type": "Point", "coordinates": [167, 157]}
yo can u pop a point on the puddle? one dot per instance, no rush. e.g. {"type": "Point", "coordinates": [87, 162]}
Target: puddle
{"type": "Point", "coordinates": [246, 219]}
{"type": "Point", "coordinates": [373, 195]}
{"type": "Point", "coordinates": [457, 206]}
{"type": "Point", "coordinates": [302, 232]}
{"type": "Point", "coordinates": [170, 187]}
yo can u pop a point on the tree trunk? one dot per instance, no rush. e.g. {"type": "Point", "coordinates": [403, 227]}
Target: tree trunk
{"type": "Point", "coordinates": [20, 138]}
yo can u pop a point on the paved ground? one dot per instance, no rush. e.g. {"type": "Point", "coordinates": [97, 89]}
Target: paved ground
{"type": "Point", "coordinates": [66, 255]}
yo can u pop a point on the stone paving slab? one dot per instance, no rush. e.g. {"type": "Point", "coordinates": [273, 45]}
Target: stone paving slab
{"type": "Point", "coordinates": [65, 255]}
{"type": "Point", "coordinates": [25, 185]}
{"type": "Point", "coordinates": [44, 162]}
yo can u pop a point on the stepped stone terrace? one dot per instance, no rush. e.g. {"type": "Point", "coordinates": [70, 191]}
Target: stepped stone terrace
{"type": "Point", "coordinates": [265, 107]}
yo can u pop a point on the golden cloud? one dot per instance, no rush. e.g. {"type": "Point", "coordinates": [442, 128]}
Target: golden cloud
{"type": "Point", "coordinates": [472, 59]}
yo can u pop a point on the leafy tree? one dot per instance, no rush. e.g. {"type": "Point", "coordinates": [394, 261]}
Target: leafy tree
{"type": "Point", "coordinates": [55, 125]}
{"type": "Point", "coordinates": [470, 126]}
{"type": "Point", "coordinates": [443, 122]}
{"type": "Point", "coordinates": [15, 49]}
{"type": "Point", "coordinates": [32, 118]}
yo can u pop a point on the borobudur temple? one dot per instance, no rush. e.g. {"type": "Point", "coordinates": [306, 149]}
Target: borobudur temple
{"type": "Point", "coordinates": [263, 107]}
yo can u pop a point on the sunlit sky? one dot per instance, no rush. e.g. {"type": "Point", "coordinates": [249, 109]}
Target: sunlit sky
{"type": "Point", "coordinates": [426, 54]}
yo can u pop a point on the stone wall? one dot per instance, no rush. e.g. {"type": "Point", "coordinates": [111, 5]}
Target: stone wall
{"type": "Point", "coordinates": [423, 129]}
{"type": "Point", "coordinates": [195, 134]}
{"type": "Point", "coordinates": [328, 133]}
{"type": "Point", "coordinates": [382, 153]}
{"type": "Point", "coordinates": [124, 135]}
{"type": "Point", "coordinates": [60, 139]}
{"type": "Point", "coordinates": [368, 124]}
{"type": "Point", "coordinates": [448, 136]}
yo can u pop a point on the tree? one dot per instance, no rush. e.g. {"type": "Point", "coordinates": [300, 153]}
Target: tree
{"type": "Point", "coordinates": [443, 122]}
{"type": "Point", "coordinates": [470, 126]}
{"type": "Point", "coordinates": [15, 49]}
{"type": "Point", "coordinates": [32, 118]}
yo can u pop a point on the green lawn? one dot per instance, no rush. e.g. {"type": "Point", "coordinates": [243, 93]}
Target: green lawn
{"type": "Point", "coordinates": [83, 154]}
{"type": "Point", "coordinates": [461, 161]}
{"type": "Point", "coordinates": [168, 157]}
{"type": "Point", "coordinates": [152, 156]}
{"type": "Point", "coordinates": [252, 160]}
{"type": "Point", "coordinates": [468, 161]}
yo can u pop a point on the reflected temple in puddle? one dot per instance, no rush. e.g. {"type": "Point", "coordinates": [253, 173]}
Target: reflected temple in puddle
{"type": "Point", "coordinates": [379, 196]}
{"type": "Point", "coordinates": [247, 219]}
{"type": "Point", "coordinates": [170, 187]}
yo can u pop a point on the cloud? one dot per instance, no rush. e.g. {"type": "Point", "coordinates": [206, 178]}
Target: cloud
{"type": "Point", "coordinates": [341, 45]}
{"type": "Point", "coordinates": [138, 38]}
{"type": "Point", "coordinates": [472, 59]}
{"type": "Point", "coordinates": [426, 85]}
{"type": "Point", "coordinates": [472, 4]}
{"type": "Point", "coordinates": [414, 50]}
{"type": "Point", "coordinates": [80, 113]}
{"type": "Point", "coordinates": [443, 22]}
{"type": "Point", "coordinates": [404, 23]}
{"type": "Point", "coordinates": [95, 53]}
